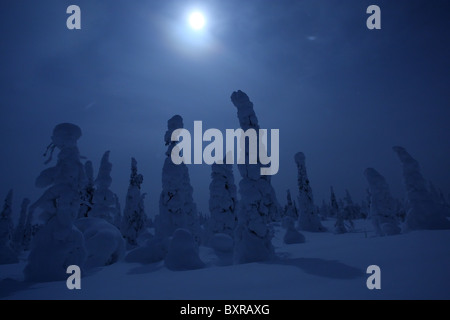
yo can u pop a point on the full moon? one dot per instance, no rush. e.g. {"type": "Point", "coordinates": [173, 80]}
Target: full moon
{"type": "Point", "coordinates": [197, 20]}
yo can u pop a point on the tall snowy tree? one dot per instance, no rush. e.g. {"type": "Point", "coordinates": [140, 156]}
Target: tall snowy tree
{"type": "Point", "coordinates": [29, 231]}
{"type": "Point", "coordinates": [351, 210]}
{"type": "Point", "coordinates": [423, 212]}
{"type": "Point", "coordinates": [333, 203]}
{"type": "Point", "coordinates": [439, 199]}
{"type": "Point", "coordinates": [222, 200]}
{"type": "Point", "coordinates": [134, 216]}
{"type": "Point", "coordinates": [118, 214]}
{"type": "Point", "coordinates": [308, 219]}
{"type": "Point", "coordinates": [19, 232]}
{"type": "Point", "coordinates": [7, 254]}
{"type": "Point", "coordinates": [87, 193]}
{"type": "Point", "coordinates": [382, 210]}
{"type": "Point", "coordinates": [103, 199]}
{"type": "Point", "coordinates": [253, 237]}
{"type": "Point", "coordinates": [324, 210]}
{"type": "Point", "coordinates": [59, 243]}
{"type": "Point", "coordinates": [290, 210]}
{"type": "Point", "coordinates": [176, 204]}
{"type": "Point", "coordinates": [336, 210]}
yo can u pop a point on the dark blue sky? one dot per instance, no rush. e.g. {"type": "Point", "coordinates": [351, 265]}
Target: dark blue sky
{"type": "Point", "coordinates": [340, 93]}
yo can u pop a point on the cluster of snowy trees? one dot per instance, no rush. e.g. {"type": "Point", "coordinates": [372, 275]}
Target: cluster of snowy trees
{"type": "Point", "coordinates": [78, 219]}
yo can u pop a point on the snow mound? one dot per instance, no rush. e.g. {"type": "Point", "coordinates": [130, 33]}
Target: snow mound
{"type": "Point", "coordinates": [390, 229]}
{"type": "Point", "coordinates": [153, 250]}
{"type": "Point", "coordinates": [183, 252]}
{"type": "Point", "coordinates": [104, 242]}
{"type": "Point", "coordinates": [292, 236]}
{"type": "Point", "coordinates": [223, 246]}
{"type": "Point", "coordinates": [222, 242]}
{"type": "Point", "coordinates": [50, 255]}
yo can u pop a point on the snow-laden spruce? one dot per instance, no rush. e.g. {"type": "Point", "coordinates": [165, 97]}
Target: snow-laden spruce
{"type": "Point", "coordinates": [292, 235]}
{"type": "Point", "coordinates": [336, 211]}
{"type": "Point", "coordinates": [104, 200]}
{"type": "Point", "coordinates": [118, 215]}
{"type": "Point", "coordinates": [104, 242]}
{"type": "Point", "coordinates": [334, 207]}
{"type": "Point", "coordinates": [324, 210]}
{"type": "Point", "coordinates": [59, 243]}
{"type": "Point", "coordinates": [176, 204]}
{"type": "Point", "coordinates": [222, 200]}
{"type": "Point", "coordinates": [134, 216]}
{"type": "Point", "coordinates": [87, 193]}
{"type": "Point", "coordinates": [29, 231]}
{"type": "Point", "coordinates": [423, 212]}
{"type": "Point", "coordinates": [350, 210]}
{"type": "Point", "coordinates": [19, 233]}
{"type": "Point", "coordinates": [290, 210]}
{"type": "Point", "coordinates": [183, 252]}
{"type": "Point", "coordinates": [382, 209]}
{"type": "Point", "coordinates": [258, 204]}
{"type": "Point", "coordinates": [439, 199]}
{"type": "Point", "coordinates": [7, 254]}
{"type": "Point", "coordinates": [308, 219]}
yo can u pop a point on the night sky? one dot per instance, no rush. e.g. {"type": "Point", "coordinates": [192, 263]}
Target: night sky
{"type": "Point", "coordinates": [340, 93]}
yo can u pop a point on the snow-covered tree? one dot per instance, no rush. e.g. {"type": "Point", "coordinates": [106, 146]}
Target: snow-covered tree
{"type": "Point", "coordinates": [290, 210]}
{"type": "Point", "coordinates": [336, 211]}
{"type": "Point", "coordinates": [258, 204]}
{"type": "Point", "coordinates": [292, 235]}
{"type": "Point", "coordinates": [382, 210]}
{"type": "Point", "coordinates": [308, 219]}
{"type": "Point", "coordinates": [87, 193]}
{"type": "Point", "coordinates": [104, 200]}
{"type": "Point", "coordinates": [104, 242]}
{"type": "Point", "coordinates": [439, 199]}
{"type": "Point", "coordinates": [423, 212]}
{"type": "Point", "coordinates": [19, 232]}
{"type": "Point", "coordinates": [433, 192]}
{"type": "Point", "coordinates": [176, 204]}
{"type": "Point", "coordinates": [29, 231]}
{"type": "Point", "coordinates": [222, 200]}
{"type": "Point", "coordinates": [7, 254]}
{"type": "Point", "coordinates": [400, 210]}
{"type": "Point", "coordinates": [339, 226]}
{"type": "Point", "coordinates": [334, 207]}
{"type": "Point", "coordinates": [118, 214]}
{"type": "Point", "coordinates": [59, 243]}
{"type": "Point", "coordinates": [351, 210]}
{"type": "Point", "coordinates": [134, 216]}
{"type": "Point", "coordinates": [324, 210]}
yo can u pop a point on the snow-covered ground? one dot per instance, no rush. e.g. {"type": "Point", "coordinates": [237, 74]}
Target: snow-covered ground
{"type": "Point", "coordinates": [414, 265]}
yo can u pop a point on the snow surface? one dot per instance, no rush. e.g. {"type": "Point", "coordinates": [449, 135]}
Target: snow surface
{"type": "Point", "coordinates": [414, 265]}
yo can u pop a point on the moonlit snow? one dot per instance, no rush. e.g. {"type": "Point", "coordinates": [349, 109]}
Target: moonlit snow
{"type": "Point", "coordinates": [248, 246]}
